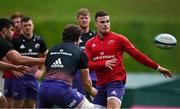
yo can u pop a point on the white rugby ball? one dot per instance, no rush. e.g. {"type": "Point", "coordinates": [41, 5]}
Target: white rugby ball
{"type": "Point", "coordinates": [165, 41]}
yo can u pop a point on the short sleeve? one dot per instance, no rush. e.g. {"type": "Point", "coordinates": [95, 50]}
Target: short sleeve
{"type": "Point", "coordinates": [83, 61]}
{"type": "Point", "coordinates": [5, 47]}
{"type": "Point", "coordinates": [43, 46]}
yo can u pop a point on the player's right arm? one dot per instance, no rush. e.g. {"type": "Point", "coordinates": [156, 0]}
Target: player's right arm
{"type": "Point", "coordinates": [16, 58]}
{"type": "Point", "coordinates": [7, 66]}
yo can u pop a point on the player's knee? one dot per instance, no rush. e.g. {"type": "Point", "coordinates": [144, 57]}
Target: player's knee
{"type": "Point", "coordinates": [86, 104]}
{"type": "Point", "coordinates": [113, 102]}
{"type": "Point", "coordinates": [96, 106]}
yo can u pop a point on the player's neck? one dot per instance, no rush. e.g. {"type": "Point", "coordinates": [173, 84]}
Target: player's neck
{"type": "Point", "coordinates": [101, 35]}
{"type": "Point", "coordinates": [85, 29]}
{"type": "Point", "coordinates": [28, 36]}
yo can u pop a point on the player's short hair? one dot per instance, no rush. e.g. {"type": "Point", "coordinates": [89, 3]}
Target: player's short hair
{"type": "Point", "coordinates": [71, 33]}
{"type": "Point", "coordinates": [15, 15]}
{"type": "Point", "coordinates": [25, 19]}
{"type": "Point", "coordinates": [5, 23]}
{"type": "Point", "coordinates": [101, 13]}
{"type": "Point", "coordinates": [83, 11]}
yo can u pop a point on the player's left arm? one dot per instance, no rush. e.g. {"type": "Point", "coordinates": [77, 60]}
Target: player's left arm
{"type": "Point", "coordinates": [7, 66]}
{"type": "Point", "coordinates": [41, 68]}
{"type": "Point", "coordinates": [85, 77]}
{"type": "Point", "coordinates": [86, 80]}
{"type": "Point", "coordinates": [143, 59]}
{"type": "Point", "coordinates": [43, 53]}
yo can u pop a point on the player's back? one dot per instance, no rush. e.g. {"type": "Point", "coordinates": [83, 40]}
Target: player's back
{"type": "Point", "coordinates": [62, 61]}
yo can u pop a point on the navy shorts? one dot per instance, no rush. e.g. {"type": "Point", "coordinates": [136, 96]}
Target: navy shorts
{"type": "Point", "coordinates": [25, 87]}
{"type": "Point", "coordinates": [114, 89]}
{"type": "Point", "coordinates": [77, 84]}
{"type": "Point", "coordinates": [58, 93]}
{"type": "Point", "coordinates": [8, 87]}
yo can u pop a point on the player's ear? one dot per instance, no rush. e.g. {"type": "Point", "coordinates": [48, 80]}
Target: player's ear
{"type": "Point", "coordinates": [4, 30]}
{"type": "Point", "coordinates": [32, 25]}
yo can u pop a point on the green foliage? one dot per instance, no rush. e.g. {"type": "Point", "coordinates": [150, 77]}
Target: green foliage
{"type": "Point", "coordinates": [139, 20]}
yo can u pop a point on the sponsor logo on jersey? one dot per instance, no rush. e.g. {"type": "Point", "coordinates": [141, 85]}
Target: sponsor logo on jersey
{"type": "Point", "coordinates": [61, 52]}
{"type": "Point", "coordinates": [103, 57]}
{"type": "Point", "coordinates": [57, 64]}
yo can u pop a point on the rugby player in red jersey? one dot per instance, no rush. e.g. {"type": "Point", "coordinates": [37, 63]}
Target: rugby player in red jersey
{"type": "Point", "coordinates": [105, 55]}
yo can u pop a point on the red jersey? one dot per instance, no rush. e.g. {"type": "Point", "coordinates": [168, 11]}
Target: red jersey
{"type": "Point", "coordinates": [112, 46]}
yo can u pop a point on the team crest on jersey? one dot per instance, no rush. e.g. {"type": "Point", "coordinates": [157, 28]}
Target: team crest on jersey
{"type": "Point", "coordinates": [57, 64]}
{"type": "Point", "coordinates": [22, 47]}
{"type": "Point", "coordinates": [110, 41]}
{"type": "Point", "coordinates": [37, 45]}
{"type": "Point", "coordinates": [93, 45]}
{"type": "Point", "coordinates": [30, 50]}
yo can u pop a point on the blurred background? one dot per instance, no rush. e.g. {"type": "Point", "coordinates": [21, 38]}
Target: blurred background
{"type": "Point", "coordinates": [139, 20]}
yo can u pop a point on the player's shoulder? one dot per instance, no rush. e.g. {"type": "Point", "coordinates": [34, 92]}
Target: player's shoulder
{"type": "Point", "coordinates": [91, 40]}
{"type": "Point", "coordinates": [3, 41]}
{"type": "Point", "coordinates": [92, 32]}
{"type": "Point", "coordinates": [55, 47]}
{"type": "Point", "coordinates": [37, 37]}
{"type": "Point", "coordinates": [18, 39]}
{"type": "Point", "coordinates": [119, 36]}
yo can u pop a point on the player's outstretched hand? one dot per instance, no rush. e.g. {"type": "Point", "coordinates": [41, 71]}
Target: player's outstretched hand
{"type": "Point", "coordinates": [165, 72]}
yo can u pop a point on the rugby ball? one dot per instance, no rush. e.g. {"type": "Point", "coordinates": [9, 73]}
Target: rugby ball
{"type": "Point", "coordinates": [165, 41]}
